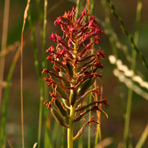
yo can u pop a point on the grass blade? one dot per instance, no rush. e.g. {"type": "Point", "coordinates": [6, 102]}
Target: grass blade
{"type": "Point", "coordinates": [142, 138]}
{"type": "Point", "coordinates": [133, 65]}
{"type": "Point", "coordinates": [133, 44]}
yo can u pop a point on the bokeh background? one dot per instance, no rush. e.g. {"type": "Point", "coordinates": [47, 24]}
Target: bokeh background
{"type": "Point", "coordinates": [114, 91]}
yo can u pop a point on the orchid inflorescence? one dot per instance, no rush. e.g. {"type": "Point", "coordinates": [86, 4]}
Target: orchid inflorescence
{"type": "Point", "coordinates": [75, 69]}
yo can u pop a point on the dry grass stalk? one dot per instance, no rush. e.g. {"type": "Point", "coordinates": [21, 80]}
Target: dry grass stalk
{"type": "Point", "coordinates": [9, 49]}
{"type": "Point", "coordinates": [4, 41]}
{"type": "Point", "coordinates": [21, 70]}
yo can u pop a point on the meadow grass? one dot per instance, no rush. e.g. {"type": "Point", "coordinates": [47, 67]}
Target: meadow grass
{"type": "Point", "coordinates": [43, 115]}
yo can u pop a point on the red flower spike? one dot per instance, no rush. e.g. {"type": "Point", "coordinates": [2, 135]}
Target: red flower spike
{"type": "Point", "coordinates": [74, 64]}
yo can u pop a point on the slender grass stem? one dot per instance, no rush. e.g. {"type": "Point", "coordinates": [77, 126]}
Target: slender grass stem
{"type": "Point", "coordinates": [44, 34]}
{"type": "Point", "coordinates": [4, 42]}
{"type": "Point", "coordinates": [80, 143]}
{"type": "Point", "coordinates": [99, 135]}
{"type": "Point", "coordinates": [133, 44]}
{"type": "Point", "coordinates": [90, 98]}
{"type": "Point", "coordinates": [38, 2]}
{"type": "Point", "coordinates": [5, 101]}
{"type": "Point", "coordinates": [133, 65]}
{"type": "Point", "coordinates": [115, 39]}
{"type": "Point", "coordinates": [43, 65]}
{"type": "Point", "coordinates": [142, 138]}
{"type": "Point", "coordinates": [37, 67]}
{"type": "Point", "coordinates": [21, 70]}
{"type": "Point", "coordinates": [78, 8]}
{"type": "Point", "coordinates": [95, 83]}
{"type": "Point", "coordinates": [2, 65]}
{"type": "Point", "coordinates": [63, 137]}
{"type": "Point", "coordinates": [108, 23]}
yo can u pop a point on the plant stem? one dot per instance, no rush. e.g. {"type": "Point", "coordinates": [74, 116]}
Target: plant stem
{"type": "Point", "coordinates": [142, 138]}
{"type": "Point", "coordinates": [99, 136]}
{"type": "Point", "coordinates": [133, 44]}
{"type": "Point", "coordinates": [72, 107]}
{"type": "Point", "coordinates": [43, 65]}
{"type": "Point", "coordinates": [21, 70]}
{"type": "Point", "coordinates": [5, 101]}
{"type": "Point", "coordinates": [108, 23]}
{"type": "Point", "coordinates": [70, 128]}
{"type": "Point", "coordinates": [133, 65]}
{"type": "Point", "coordinates": [4, 42]}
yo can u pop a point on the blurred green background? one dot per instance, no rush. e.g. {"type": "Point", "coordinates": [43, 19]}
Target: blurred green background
{"type": "Point", "coordinates": [114, 91]}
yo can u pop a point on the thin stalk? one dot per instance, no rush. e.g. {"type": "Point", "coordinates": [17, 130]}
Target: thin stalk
{"type": "Point", "coordinates": [80, 141]}
{"type": "Point", "coordinates": [63, 139]}
{"type": "Point", "coordinates": [142, 138]}
{"type": "Point", "coordinates": [72, 108]}
{"type": "Point", "coordinates": [4, 42]}
{"type": "Point", "coordinates": [5, 101]}
{"type": "Point", "coordinates": [21, 70]}
{"type": "Point", "coordinates": [44, 33]}
{"type": "Point", "coordinates": [133, 43]}
{"type": "Point", "coordinates": [115, 39]}
{"type": "Point", "coordinates": [91, 7]}
{"type": "Point", "coordinates": [90, 98]}
{"type": "Point", "coordinates": [89, 128]}
{"type": "Point", "coordinates": [39, 8]}
{"type": "Point", "coordinates": [43, 65]}
{"type": "Point", "coordinates": [133, 65]}
{"type": "Point", "coordinates": [37, 67]}
{"type": "Point", "coordinates": [98, 135]}
{"type": "Point", "coordinates": [108, 23]}
{"type": "Point", "coordinates": [6, 95]}
{"type": "Point", "coordinates": [78, 8]}
{"type": "Point", "coordinates": [47, 142]}
{"type": "Point", "coordinates": [70, 128]}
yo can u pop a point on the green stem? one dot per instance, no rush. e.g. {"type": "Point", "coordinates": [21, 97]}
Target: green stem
{"type": "Point", "coordinates": [108, 23]}
{"type": "Point", "coordinates": [5, 101]}
{"type": "Point", "coordinates": [72, 107]}
{"type": "Point", "coordinates": [90, 98]}
{"type": "Point", "coordinates": [70, 128]}
{"type": "Point", "coordinates": [80, 143]}
{"type": "Point", "coordinates": [43, 64]}
{"type": "Point", "coordinates": [133, 65]}
{"type": "Point", "coordinates": [40, 117]}
{"type": "Point", "coordinates": [78, 8]}
{"type": "Point", "coordinates": [143, 138]}
{"type": "Point", "coordinates": [133, 43]}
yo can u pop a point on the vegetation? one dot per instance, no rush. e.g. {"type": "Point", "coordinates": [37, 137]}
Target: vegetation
{"type": "Point", "coordinates": [88, 69]}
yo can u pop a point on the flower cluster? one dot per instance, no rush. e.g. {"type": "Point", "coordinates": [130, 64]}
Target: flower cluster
{"type": "Point", "coordinates": [75, 67]}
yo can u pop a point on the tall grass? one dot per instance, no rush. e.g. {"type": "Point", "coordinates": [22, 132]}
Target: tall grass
{"type": "Point", "coordinates": [133, 66]}
{"type": "Point", "coordinates": [4, 42]}
{"type": "Point", "coordinates": [21, 70]}
{"type": "Point", "coordinates": [115, 45]}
